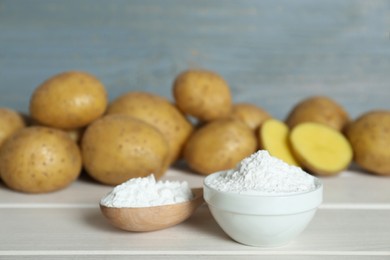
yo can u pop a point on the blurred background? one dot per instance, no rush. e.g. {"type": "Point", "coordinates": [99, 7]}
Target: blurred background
{"type": "Point", "coordinates": [272, 53]}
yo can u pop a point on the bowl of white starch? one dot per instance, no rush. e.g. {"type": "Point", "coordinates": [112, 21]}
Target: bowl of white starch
{"type": "Point", "coordinates": [263, 202]}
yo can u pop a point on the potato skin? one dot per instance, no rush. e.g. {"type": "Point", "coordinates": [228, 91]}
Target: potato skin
{"type": "Point", "coordinates": [68, 100]}
{"type": "Point", "coordinates": [10, 122]}
{"type": "Point", "coordinates": [116, 148]}
{"type": "Point", "coordinates": [202, 94]}
{"type": "Point", "coordinates": [369, 136]}
{"type": "Point", "coordinates": [318, 109]}
{"type": "Point", "coordinates": [39, 160]}
{"type": "Point", "coordinates": [219, 145]}
{"type": "Point", "coordinates": [158, 112]}
{"type": "Point", "coordinates": [250, 114]}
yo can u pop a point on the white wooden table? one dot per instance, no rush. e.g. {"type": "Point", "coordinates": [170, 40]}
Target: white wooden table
{"type": "Point", "coordinates": [272, 53]}
{"type": "Point", "coordinates": [352, 223]}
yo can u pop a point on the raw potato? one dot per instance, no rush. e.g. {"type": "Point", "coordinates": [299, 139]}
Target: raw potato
{"type": "Point", "coordinates": [219, 145]}
{"type": "Point", "coordinates": [202, 94]}
{"type": "Point", "coordinates": [250, 114]}
{"type": "Point", "coordinates": [369, 136]}
{"type": "Point", "coordinates": [75, 134]}
{"type": "Point", "coordinates": [319, 109]}
{"type": "Point", "coordinates": [320, 149]}
{"type": "Point", "coordinates": [68, 100]}
{"type": "Point", "coordinates": [116, 148]}
{"type": "Point", "coordinates": [39, 159]}
{"type": "Point", "coordinates": [274, 137]}
{"type": "Point", "coordinates": [10, 122]}
{"type": "Point", "coordinates": [158, 112]}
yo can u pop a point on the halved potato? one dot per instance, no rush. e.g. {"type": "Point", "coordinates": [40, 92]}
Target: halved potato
{"type": "Point", "coordinates": [274, 137]}
{"type": "Point", "coordinates": [320, 149]}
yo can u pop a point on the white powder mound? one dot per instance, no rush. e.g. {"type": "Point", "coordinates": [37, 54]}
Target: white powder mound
{"type": "Point", "coordinates": [146, 192]}
{"type": "Point", "coordinates": [261, 173]}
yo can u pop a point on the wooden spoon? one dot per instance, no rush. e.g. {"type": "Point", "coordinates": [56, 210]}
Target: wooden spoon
{"type": "Point", "coordinates": [155, 217]}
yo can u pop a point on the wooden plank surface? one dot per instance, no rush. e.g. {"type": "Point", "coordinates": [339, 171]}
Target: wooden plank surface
{"type": "Point", "coordinates": [69, 223]}
{"type": "Point", "coordinates": [84, 231]}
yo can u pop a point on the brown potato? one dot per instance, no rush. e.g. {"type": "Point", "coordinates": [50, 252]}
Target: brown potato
{"type": "Point", "coordinates": [39, 159]}
{"type": "Point", "coordinates": [158, 112]}
{"type": "Point", "coordinates": [75, 134]}
{"type": "Point", "coordinates": [202, 94]}
{"type": "Point", "coordinates": [318, 109]}
{"type": "Point", "coordinates": [116, 148]}
{"type": "Point", "coordinates": [250, 114]}
{"type": "Point", "coordinates": [219, 145]}
{"type": "Point", "coordinates": [369, 136]}
{"type": "Point", "coordinates": [10, 122]}
{"type": "Point", "coordinates": [68, 100]}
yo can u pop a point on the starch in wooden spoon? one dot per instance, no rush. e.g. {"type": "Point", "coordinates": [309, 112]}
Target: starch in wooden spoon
{"type": "Point", "coordinates": [144, 204]}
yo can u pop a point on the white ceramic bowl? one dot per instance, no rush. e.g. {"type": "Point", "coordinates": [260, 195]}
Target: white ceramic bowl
{"type": "Point", "coordinates": [258, 220]}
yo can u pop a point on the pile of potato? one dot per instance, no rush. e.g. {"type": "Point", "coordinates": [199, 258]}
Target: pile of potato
{"type": "Point", "coordinates": [73, 126]}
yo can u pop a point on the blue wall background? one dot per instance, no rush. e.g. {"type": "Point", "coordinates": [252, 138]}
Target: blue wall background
{"type": "Point", "coordinates": [272, 53]}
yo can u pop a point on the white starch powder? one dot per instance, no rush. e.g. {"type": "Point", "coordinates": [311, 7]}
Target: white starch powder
{"type": "Point", "coordinates": [146, 192]}
{"type": "Point", "coordinates": [262, 174]}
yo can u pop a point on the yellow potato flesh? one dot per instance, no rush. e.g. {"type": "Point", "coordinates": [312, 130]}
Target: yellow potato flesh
{"type": "Point", "coordinates": [320, 149]}
{"type": "Point", "coordinates": [274, 138]}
